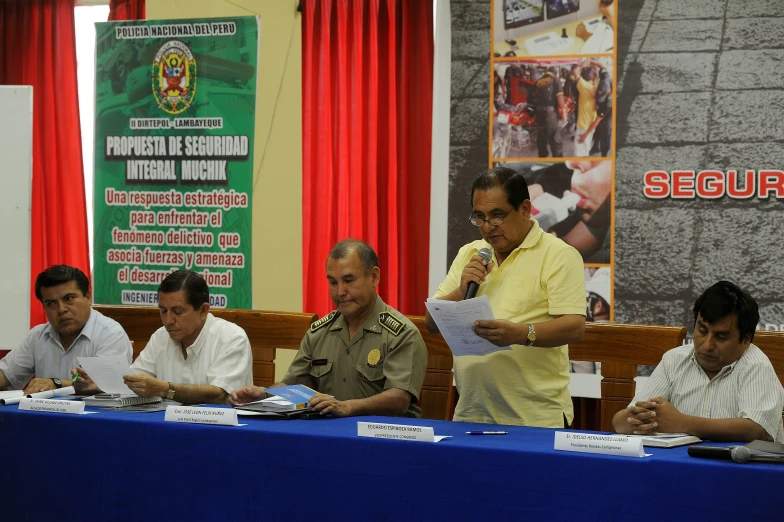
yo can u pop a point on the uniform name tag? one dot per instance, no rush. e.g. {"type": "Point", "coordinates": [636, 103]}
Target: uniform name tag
{"type": "Point", "coordinates": [76, 407]}
{"type": "Point", "coordinates": [220, 416]}
{"type": "Point", "coordinates": [318, 362]}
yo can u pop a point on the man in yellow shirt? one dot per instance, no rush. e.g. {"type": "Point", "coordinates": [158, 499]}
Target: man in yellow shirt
{"type": "Point", "coordinates": [536, 287]}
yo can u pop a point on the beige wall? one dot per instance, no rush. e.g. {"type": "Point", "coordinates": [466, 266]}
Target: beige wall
{"type": "Point", "coordinates": [277, 193]}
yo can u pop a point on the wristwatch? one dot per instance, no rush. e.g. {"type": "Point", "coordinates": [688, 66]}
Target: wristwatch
{"type": "Point", "coordinates": [531, 338]}
{"type": "Point", "coordinates": [57, 382]}
{"type": "Point", "coordinates": [170, 393]}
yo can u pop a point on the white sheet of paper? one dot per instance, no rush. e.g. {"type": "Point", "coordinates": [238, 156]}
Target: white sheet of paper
{"type": "Point", "coordinates": [455, 320]}
{"type": "Point", "coordinates": [107, 372]}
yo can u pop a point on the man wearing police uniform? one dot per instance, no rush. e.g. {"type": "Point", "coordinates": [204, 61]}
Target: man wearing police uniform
{"type": "Point", "coordinates": [365, 358]}
{"type": "Point", "coordinates": [548, 96]}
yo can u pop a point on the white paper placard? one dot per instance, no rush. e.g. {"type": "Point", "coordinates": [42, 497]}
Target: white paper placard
{"type": "Point", "coordinates": [200, 415]}
{"type": "Point", "coordinates": [604, 444]}
{"type": "Point", "coordinates": [49, 405]}
{"type": "Point", "coordinates": [395, 431]}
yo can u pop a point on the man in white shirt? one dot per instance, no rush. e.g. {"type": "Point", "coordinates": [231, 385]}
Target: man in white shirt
{"type": "Point", "coordinates": [721, 387]}
{"type": "Point", "coordinates": [74, 329]}
{"type": "Point", "coordinates": [195, 357]}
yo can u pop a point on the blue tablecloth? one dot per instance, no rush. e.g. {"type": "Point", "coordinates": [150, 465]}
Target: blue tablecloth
{"type": "Point", "coordinates": [134, 466]}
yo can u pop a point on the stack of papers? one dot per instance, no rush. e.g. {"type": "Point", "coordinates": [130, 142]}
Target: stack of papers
{"type": "Point", "coordinates": [667, 440]}
{"type": "Point", "coordinates": [285, 398]}
{"type": "Point", "coordinates": [117, 400]}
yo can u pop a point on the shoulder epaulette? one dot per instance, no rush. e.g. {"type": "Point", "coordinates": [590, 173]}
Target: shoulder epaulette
{"type": "Point", "coordinates": [324, 321]}
{"type": "Point", "coordinates": [391, 323]}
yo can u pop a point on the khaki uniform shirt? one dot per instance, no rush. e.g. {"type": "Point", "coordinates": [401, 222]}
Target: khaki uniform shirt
{"type": "Point", "coordinates": [386, 352]}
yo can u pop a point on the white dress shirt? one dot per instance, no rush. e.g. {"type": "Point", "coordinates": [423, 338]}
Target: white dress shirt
{"type": "Point", "coordinates": [746, 389]}
{"type": "Point", "coordinates": [42, 354]}
{"type": "Point", "coordinates": [219, 356]}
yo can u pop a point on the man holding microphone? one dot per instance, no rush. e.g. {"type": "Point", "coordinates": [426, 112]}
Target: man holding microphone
{"type": "Point", "coordinates": [536, 287]}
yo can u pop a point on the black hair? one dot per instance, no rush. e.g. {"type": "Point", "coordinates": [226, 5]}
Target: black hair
{"type": "Point", "coordinates": [511, 182]}
{"type": "Point", "coordinates": [57, 275]}
{"type": "Point", "coordinates": [367, 255]}
{"type": "Point", "coordinates": [587, 73]}
{"type": "Point", "coordinates": [196, 290]}
{"type": "Point", "coordinates": [723, 299]}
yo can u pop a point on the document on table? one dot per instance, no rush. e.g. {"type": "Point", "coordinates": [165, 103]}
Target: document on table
{"type": "Point", "coordinates": [455, 320]}
{"type": "Point", "coordinates": [107, 372]}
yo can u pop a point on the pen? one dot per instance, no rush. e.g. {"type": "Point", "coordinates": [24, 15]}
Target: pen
{"type": "Point", "coordinates": [487, 432]}
{"type": "Point", "coordinates": [75, 377]}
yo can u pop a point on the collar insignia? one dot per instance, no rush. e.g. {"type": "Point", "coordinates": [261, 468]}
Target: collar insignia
{"type": "Point", "coordinates": [391, 323]}
{"type": "Point", "coordinates": [324, 321]}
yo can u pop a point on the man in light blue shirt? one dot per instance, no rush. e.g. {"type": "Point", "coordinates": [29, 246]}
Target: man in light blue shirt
{"type": "Point", "coordinates": [49, 351]}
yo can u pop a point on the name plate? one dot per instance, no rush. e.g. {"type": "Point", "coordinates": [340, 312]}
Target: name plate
{"type": "Point", "coordinates": [605, 444]}
{"type": "Point", "coordinates": [52, 406]}
{"type": "Point", "coordinates": [197, 415]}
{"type": "Point", "coordinates": [395, 431]}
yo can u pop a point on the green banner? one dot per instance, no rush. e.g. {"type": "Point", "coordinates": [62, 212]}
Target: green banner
{"type": "Point", "coordinates": [175, 110]}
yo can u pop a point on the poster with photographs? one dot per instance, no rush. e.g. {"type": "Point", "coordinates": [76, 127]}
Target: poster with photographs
{"type": "Point", "coordinates": [554, 107]}
{"type": "Point", "coordinates": [553, 27]}
{"type": "Point", "coordinates": [551, 119]}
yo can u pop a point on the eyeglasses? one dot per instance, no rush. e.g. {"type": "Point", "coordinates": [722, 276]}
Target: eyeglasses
{"type": "Point", "coordinates": [494, 221]}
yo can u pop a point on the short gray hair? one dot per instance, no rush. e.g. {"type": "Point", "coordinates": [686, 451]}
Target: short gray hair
{"type": "Point", "coordinates": [365, 252]}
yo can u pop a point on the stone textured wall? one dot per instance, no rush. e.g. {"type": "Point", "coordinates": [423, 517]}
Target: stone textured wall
{"type": "Point", "coordinates": [700, 86]}
{"type": "Point", "coordinates": [470, 113]}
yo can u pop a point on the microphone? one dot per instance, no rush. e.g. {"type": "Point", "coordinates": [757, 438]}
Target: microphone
{"type": "Point", "coordinates": [739, 454]}
{"type": "Point", "coordinates": [712, 452]}
{"type": "Point", "coordinates": [473, 287]}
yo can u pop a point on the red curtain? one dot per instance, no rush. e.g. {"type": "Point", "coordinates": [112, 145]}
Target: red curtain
{"type": "Point", "coordinates": [367, 109]}
{"type": "Point", "coordinates": [38, 48]}
{"type": "Point", "coordinates": [126, 10]}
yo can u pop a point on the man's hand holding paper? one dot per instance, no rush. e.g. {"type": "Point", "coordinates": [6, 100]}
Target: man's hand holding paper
{"type": "Point", "coordinates": [146, 386]}
{"type": "Point", "coordinates": [457, 321]}
{"type": "Point", "coordinates": [83, 384]}
{"type": "Point", "coordinates": [500, 332]}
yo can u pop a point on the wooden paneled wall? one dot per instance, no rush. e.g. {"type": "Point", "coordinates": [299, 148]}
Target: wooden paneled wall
{"type": "Point", "coordinates": [619, 347]}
